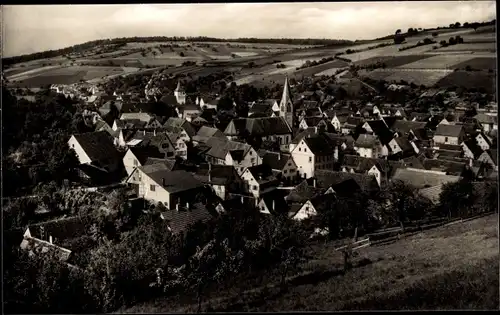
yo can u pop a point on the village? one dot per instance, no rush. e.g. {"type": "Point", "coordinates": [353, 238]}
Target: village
{"type": "Point", "coordinates": [273, 181]}
{"type": "Point", "coordinates": [312, 151]}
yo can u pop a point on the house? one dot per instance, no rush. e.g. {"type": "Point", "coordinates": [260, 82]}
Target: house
{"type": "Point", "coordinates": [326, 179]}
{"type": "Point", "coordinates": [351, 124]}
{"type": "Point", "coordinates": [380, 129]}
{"type": "Point", "coordinates": [489, 122]}
{"type": "Point", "coordinates": [207, 102]}
{"type": "Point", "coordinates": [311, 207]}
{"type": "Point", "coordinates": [180, 94]}
{"type": "Point", "coordinates": [314, 153]}
{"type": "Point", "coordinates": [179, 144]}
{"type": "Point", "coordinates": [145, 117]}
{"type": "Point", "coordinates": [448, 134]}
{"type": "Point", "coordinates": [490, 157]}
{"type": "Point", "coordinates": [56, 236]}
{"type": "Point", "coordinates": [188, 111]}
{"type": "Point", "coordinates": [97, 149]}
{"type": "Point", "coordinates": [205, 133]}
{"type": "Point", "coordinates": [273, 203]}
{"type": "Point", "coordinates": [303, 192]}
{"type": "Point", "coordinates": [226, 152]}
{"type": "Point", "coordinates": [179, 220]}
{"type": "Point", "coordinates": [483, 141]}
{"type": "Point", "coordinates": [310, 122]}
{"type": "Point", "coordinates": [223, 179]}
{"type": "Point", "coordinates": [368, 145]}
{"type": "Point", "coordinates": [403, 128]}
{"type": "Point", "coordinates": [418, 178]}
{"type": "Point", "coordinates": [380, 168]}
{"type": "Point", "coordinates": [267, 128]}
{"type": "Point", "coordinates": [282, 164]}
{"type": "Point", "coordinates": [337, 121]}
{"type": "Point", "coordinates": [173, 124]}
{"type": "Point", "coordinates": [471, 149]}
{"type": "Point", "coordinates": [137, 156]}
{"type": "Point", "coordinates": [401, 146]}
{"type": "Point", "coordinates": [259, 180]}
{"type": "Point", "coordinates": [158, 184]}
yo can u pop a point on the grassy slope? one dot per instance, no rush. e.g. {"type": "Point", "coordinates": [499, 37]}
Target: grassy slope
{"type": "Point", "coordinates": [451, 267]}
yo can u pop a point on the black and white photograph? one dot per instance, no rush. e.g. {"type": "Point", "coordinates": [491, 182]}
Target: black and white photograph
{"type": "Point", "coordinates": [249, 157]}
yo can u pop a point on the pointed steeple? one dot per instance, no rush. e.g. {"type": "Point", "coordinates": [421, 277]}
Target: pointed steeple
{"type": "Point", "coordinates": [286, 93]}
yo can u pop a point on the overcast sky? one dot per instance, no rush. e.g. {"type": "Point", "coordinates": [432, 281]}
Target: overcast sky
{"type": "Point", "coordinates": [33, 28]}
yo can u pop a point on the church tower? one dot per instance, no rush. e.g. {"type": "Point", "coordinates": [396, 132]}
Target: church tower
{"type": "Point", "coordinates": [286, 104]}
{"type": "Point", "coordinates": [179, 93]}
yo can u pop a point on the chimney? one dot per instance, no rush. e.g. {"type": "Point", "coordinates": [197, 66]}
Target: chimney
{"type": "Point", "coordinates": [187, 205]}
{"type": "Point", "coordinates": [242, 200]}
{"type": "Point", "coordinates": [154, 132]}
{"type": "Point", "coordinates": [50, 239]}
{"type": "Point", "coordinates": [144, 132]}
{"type": "Point", "coordinates": [279, 156]}
{"type": "Point", "coordinates": [163, 182]}
{"type": "Point", "coordinates": [314, 182]}
{"type": "Point", "coordinates": [273, 205]}
{"type": "Point", "coordinates": [177, 206]}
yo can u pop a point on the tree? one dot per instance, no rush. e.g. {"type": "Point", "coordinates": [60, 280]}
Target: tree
{"type": "Point", "coordinates": [456, 198]}
{"type": "Point", "coordinates": [452, 41]}
{"type": "Point", "coordinates": [398, 32]}
{"type": "Point", "coordinates": [457, 25]}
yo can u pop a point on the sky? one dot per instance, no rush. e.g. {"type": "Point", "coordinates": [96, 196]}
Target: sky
{"type": "Point", "coordinates": [33, 28]}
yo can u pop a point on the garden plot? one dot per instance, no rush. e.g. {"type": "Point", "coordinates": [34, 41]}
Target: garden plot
{"type": "Point", "coordinates": [418, 77]}
{"type": "Point", "coordinates": [438, 62]}
{"type": "Point", "coordinates": [392, 61]}
{"type": "Point", "coordinates": [35, 70]}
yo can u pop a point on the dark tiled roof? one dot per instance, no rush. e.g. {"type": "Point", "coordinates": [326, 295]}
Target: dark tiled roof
{"type": "Point", "coordinates": [320, 145]}
{"type": "Point", "coordinates": [404, 144]}
{"type": "Point", "coordinates": [262, 108]}
{"type": "Point", "coordinates": [219, 147]}
{"type": "Point", "coordinates": [276, 160]}
{"type": "Point", "coordinates": [142, 153]}
{"type": "Point", "coordinates": [303, 134]}
{"type": "Point", "coordinates": [303, 192]}
{"type": "Point", "coordinates": [60, 229]}
{"type": "Point", "coordinates": [206, 133]}
{"type": "Point", "coordinates": [486, 119]}
{"type": "Point", "coordinates": [173, 122]}
{"type": "Point", "coordinates": [220, 174]}
{"type": "Point", "coordinates": [450, 167]}
{"type": "Point", "coordinates": [280, 204]}
{"type": "Point", "coordinates": [381, 130]}
{"type": "Point", "coordinates": [448, 130]}
{"type": "Point", "coordinates": [179, 221]}
{"type": "Point", "coordinates": [97, 145]}
{"type": "Point", "coordinates": [258, 127]}
{"type": "Point", "coordinates": [366, 141]}
{"type": "Point", "coordinates": [262, 173]}
{"type": "Point", "coordinates": [175, 181]}
{"type": "Point", "coordinates": [170, 164]}
{"type": "Point", "coordinates": [473, 147]}
{"type": "Point", "coordinates": [313, 121]}
{"type": "Point", "coordinates": [403, 127]}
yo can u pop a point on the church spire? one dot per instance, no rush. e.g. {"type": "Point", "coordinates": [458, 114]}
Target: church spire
{"type": "Point", "coordinates": [286, 97]}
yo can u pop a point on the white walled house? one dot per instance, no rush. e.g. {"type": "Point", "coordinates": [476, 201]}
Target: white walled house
{"type": "Point", "coordinates": [259, 180]}
{"type": "Point", "coordinates": [97, 149]}
{"type": "Point", "coordinates": [313, 153]}
{"type": "Point", "coordinates": [307, 210]}
{"type": "Point", "coordinates": [282, 164]}
{"type": "Point", "coordinates": [172, 188]}
{"type": "Point", "coordinates": [449, 134]}
{"type": "Point", "coordinates": [266, 128]}
{"type": "Point", "coordinates": [368, 146]}
{"type": "Point", "coordinates": [225, 152]}
{"type": "Point", "coordinates": [137, 156]}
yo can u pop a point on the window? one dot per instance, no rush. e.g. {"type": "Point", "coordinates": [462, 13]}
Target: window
{"type": "Point", "coordinates": [136, 162]}
{"type": "Point", "coordinates": [252, 160]}
{"type": "Point", "coordinates": [445, 139]}
{"type": "Point", "coordinates": [300, 149]}
{"type": "Point", "coordinates": [164, 145]}
{"type": "Point", "coordinates": [254, 187]}
{"type": "Point", "coordinates": [305, 150]}
{"type": "Point", "coordinates": [250, 153]}
{"type": "Point", "coordinates": [152, 187]}
{"type": "Point", "coordinates": [310, 159]}
{"type": "Point", "coordinates": [285, 171]}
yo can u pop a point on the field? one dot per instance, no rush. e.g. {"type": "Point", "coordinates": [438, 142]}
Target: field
{"type": "Point", "coordinates": [392, 61]}
{"type": "Point", "coordinates": [482, 63]}
{"type": "Point", "coordinates": [470, 47]}
{"type": "Point", "coordinates": [470, 79]}
{"type": "Point", "coordinates": [64, 75]}
{"type": "Point", "coordinates": [438, 62]}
